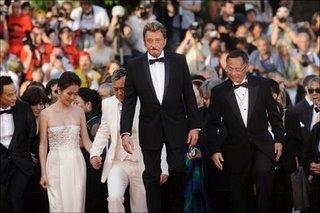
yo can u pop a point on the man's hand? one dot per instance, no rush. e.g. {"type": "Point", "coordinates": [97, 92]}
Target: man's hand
{"type": "Point", "coordinates": [127, 144]}
{"type": "Point", "coordinates": [278, 150]}
{"type": "Point", "coordinates": [96, 162]}
{"type": "Point", "coordinates": [163, 178]}
{"type": "Point", "coordinates": [218, 160]}
{"type": "Point", "coordinates": [193, 137]}
{"type": "Point", "coordinates": [315, 168]}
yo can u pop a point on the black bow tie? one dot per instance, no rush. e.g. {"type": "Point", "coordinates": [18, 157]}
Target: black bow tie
{"type": "Point", "coordinates": [152, 61]}
{"type": "Point", "coordinates": [317, 109]}
{"type": "Point", "coordinates": [9, 111]}
{"type": "Point", "coordinates": [245, 84]}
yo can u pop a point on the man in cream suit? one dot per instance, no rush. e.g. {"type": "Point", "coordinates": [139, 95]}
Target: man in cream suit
{"type": "Point", "coordinates": [121, 168]}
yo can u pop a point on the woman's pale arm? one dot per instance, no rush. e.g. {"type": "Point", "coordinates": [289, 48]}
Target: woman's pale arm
{"type": "Point", "coordinates": [43, 148]}
{"type": "Point", "coordinates": [84, 133]}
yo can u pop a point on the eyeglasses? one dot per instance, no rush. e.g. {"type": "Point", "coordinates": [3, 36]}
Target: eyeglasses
{"type": "Point", "coordinates": [228, 69]}
{"type": "Point", "coordinates": [311, 91]}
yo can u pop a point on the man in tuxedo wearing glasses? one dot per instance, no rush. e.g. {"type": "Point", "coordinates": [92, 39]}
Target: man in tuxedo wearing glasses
{"type": "Point", "coordinates": [168, 114]}
{"type": "Point", "coordinates": [244, 105]}
{"type": "Point", "coordinates": [18, 129]}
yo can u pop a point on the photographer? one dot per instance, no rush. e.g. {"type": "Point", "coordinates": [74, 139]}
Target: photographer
{"type": "Point", "coordinates": [120, 35]}
{"type": "Point", "coordinates": [282, 29]}
{"type": "Point", "coordinates": [18, 24]}
{"type": "Point", "coordinates": [191, 46]}
{"type": "Point", "coordinates": [35, 51]}
{"type": "Point", "coordinates": [87, 18]}
{"type": "Point", "coordinates": [59, 20]}
{"type": "Point", "coordinates": [139, 18]}
{"type": "Point", "coordinates": [306, 55]}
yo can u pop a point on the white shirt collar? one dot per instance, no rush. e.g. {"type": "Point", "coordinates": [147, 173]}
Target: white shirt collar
{"type": "Point", "coordinates": [151, 57]}
{"type": "Point", "coordinates": [244, 80]}
{"type": "Point", "coordinates": [308, 100]}
{"type": "Point", "coordinates": [2, 109]}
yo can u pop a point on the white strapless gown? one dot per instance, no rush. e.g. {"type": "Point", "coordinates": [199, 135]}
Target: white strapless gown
{"type": "Point", "coordinates": [66, 170]}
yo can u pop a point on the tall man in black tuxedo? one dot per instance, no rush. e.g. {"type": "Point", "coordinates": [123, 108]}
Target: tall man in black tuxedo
{"type": "Point", "coordinates": [18, 129]}
{"type": "Point", "coordinates": [168, 114]}
{"type": "Point", "coordinates": [244, 105]}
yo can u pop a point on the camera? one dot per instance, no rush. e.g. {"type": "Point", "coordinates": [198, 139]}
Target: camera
{"type": "Point", "coordinates": [59, 57]}
{"type": "Point", "coordinates": [144, 9]}
{"type": "Point", "coordinates": [305, 60]}
{"type": "Point", "coordinates": [282, 20]}
{"type": "Point", "coordinates": [62, 13]}
{"type": "Point", "coordinates": [28, 41]}
{"type": "Point", "coordinates": [194, 29]}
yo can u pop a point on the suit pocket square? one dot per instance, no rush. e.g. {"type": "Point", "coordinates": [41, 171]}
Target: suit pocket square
{"type": "Point", "coordinates": [301, 124]}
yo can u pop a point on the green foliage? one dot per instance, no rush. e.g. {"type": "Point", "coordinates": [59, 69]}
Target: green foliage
{"type": "Point", "coordinates": [42, 4]}
{"type": "Point", "coordinates": [111, 2]}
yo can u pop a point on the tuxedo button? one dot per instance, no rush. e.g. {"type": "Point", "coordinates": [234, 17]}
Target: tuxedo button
{"type": "Point", "coordinates": [250, 140]}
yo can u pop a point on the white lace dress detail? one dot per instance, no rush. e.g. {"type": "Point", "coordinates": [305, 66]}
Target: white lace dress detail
{"type": "Point", "coordinates": [66, 170]}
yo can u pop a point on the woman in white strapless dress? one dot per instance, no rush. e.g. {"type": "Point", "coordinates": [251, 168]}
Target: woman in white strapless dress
{"type": "Point", "coordinates": [63, 169]}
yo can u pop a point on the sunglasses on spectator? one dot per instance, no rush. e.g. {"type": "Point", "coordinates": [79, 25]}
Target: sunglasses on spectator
{"type": "Point", "coordinates": [311, 91]}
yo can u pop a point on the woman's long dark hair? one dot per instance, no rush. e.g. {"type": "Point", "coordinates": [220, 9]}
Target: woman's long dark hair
{"type": "Point", "coordinates": [89, 95]}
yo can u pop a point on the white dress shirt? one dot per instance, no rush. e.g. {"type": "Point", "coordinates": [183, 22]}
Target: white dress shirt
{"type": "Point", "coordinates": [242, 98]}
{"type": "Point", "coordinates": [6, 128]}
{"type": "Point", "coordinates": [315, 116]}
{"type": "Point", "coordinates": [157, 75]}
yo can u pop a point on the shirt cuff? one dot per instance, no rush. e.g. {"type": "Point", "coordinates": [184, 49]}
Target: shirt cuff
{"type": "Point", "coordinates": [125, 133]}
{"type": "Point", "coordinates": [197, 129]}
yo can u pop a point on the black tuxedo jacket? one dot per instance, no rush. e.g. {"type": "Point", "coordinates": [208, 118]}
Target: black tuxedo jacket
{"type": "Point", "coordinates": [236, 147]}
{"type": "Point", "coordinates": [298, 124]}
{"type": "Point", "coordinates": [170, 120]}
{"type": "Point", "coordinates": [312, 152]}
{"type": "Point", "coordinates": [19, 148]}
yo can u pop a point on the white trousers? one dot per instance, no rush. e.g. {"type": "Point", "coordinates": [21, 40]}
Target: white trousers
{"type": "Point", "coordinates": [121, 174]}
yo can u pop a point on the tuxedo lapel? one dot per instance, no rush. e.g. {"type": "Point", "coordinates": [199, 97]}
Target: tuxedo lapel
{"type": "Point", "coordinates": [148, 75]}
{"type": "Point", "coordinates": [307, 117]}
{"type": "Point", "coordinates": [253, 93]}
{"type": "Point", "coordinates": [231, 98]}
{"type": "Point", "coordinates": [167, 74]}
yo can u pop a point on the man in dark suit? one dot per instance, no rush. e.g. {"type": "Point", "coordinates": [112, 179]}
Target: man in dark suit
{"type": "Point", "coordinates": [301, 118]}
{"type": "Point", "coordinates": [18, 129]}
{"type": "Point", "coordinates": [244, 105]}
{"type": "Point", "coordinates": [168, 114]}
{"type": "Point", "coordinates": [313, 160]}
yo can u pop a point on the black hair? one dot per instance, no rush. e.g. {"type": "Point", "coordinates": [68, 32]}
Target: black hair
{"type": "Point", "coordinates": [50, 84]}
{"type": "Point", "coordinates": [25, 5]}
{"type": "Point", "coordinates": [4, 80]}
{"type": "Point", "coordinates": [36, 84]}
{"type": "Point", "coordinates": [225, 2]}
{"type": "Point", "coordinates": [212, 40]}
{"type": "Point", "coordinates": [118, 73]}
{"type": "Point", "coordinates": [68, 79]}
{"type": "Point", "coordinates": [34, 95]}
{"type": "Point", "coordinates": [89, 95]}
{"type": "Point", "coordinates": [275, 88]}
{"type": "Point", "coordinates": [238, 53]}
